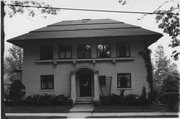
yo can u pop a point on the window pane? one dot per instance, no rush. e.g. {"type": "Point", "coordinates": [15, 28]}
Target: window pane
{"type": "Point", "coordinates": [46, 52]}
{"type": "Point", "coordinates": [123, 50]}
{"type": "Point", "coordinates": [65, 51]}
{"type": "Point", "coordinates": [47, 82]}
{"type": "Point", "coordinates": [103, 50]}
{"type": "Point", "coordinates": [124, 80]}
{"type": "Point", "coordinates": [84, 51]}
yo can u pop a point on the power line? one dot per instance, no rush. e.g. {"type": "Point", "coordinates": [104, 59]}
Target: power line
{"type": "Point", "coordinates": [93, 10]}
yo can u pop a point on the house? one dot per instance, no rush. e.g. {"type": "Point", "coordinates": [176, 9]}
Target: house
{"type": "Point", "coordinates": [85, 58]}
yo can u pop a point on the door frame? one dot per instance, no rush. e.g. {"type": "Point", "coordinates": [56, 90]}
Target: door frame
{"type": "Point", "coordinates": [78, 80]}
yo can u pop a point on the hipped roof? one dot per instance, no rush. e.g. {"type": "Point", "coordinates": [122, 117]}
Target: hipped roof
{"type": "Point", "coordinates": [84, 29]}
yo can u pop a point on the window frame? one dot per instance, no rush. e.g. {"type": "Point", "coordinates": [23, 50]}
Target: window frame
{"type": "Point", "coordinates": [119, 80]}
{"type": "Point", "coordinates": [59, 46]}
{"type": "Point", "coordinates": [47, 88]}
{"type": "Point", "coordinates": [83, 57]}
{"type": "Point", "coordinates": [103, 49]}
{"type": "Point", "coordinates": [41, 52]}
{"type": "Point", "coordinates": [129, 49]}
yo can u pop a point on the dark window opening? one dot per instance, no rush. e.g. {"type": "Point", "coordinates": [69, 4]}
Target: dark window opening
{"type": "Point", "coordinates": [103, 51]}
{"type": "Point", "coordinates": [47, 82]}
{"type": "Point", "coordinates": [46, 52]}
{"type": "Point", "coordinates": [123, 50]}
{"type": "Point", "coordinates": [124, 80]}
{"type": "Point", "coordinates": [84, 51]}
{"type": "Point", "coordinates": [102, 80]}
{"type": "Point", "coordinates": [65, 52]}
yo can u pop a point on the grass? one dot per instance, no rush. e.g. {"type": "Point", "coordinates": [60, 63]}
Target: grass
{"type": "Point", "coordinates": [37, 109]}
{"type": "Point", "coordinates": [125, 108]}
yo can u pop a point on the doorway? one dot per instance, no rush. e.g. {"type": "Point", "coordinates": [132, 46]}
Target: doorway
{"type": "Point", "coordinates": [85, 83]}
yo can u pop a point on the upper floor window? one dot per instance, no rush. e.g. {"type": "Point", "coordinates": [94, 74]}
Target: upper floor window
{"type": "Point", "coordinates": [47, 81]}
{"type": "Point", "coordinates": [65, 51]}
{"type": "Point", "coordinates": [46, 52]}
{"type": "Point", "coordinates": [103, 51]}
{"type": "Point", "coordinates": [123, 50]}
{"type": "Point", "coordinates": [84, 51]}
{"type": "Point", "coordinates": [124, 80]}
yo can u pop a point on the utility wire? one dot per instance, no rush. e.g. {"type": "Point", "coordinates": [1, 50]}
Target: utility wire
{"type": "Point", "coordinates": [93, 10]}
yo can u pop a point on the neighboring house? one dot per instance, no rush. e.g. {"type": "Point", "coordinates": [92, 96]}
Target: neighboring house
{"type": "Point", "coordinates": [85, 58]}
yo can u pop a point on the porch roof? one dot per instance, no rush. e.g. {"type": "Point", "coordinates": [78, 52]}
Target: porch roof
{"type": "Point", "coordinates": [84, 29]}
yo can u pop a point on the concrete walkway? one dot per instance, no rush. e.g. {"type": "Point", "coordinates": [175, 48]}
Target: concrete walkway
{"type": "Point", "coordinates": [86, 110]}
{"type": "Point", "coordinates": [95, 115]}
{"type": "Point", "coordinates": [82, 108]}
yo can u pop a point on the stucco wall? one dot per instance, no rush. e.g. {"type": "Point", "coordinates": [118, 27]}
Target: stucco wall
{"type": "Point", "coordinates": [62, 71]}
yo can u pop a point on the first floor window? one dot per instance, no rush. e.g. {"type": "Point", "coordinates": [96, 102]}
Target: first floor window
{"type": "Point", "coordinates": [46, 52]}
{"type": "Point", "coordinates": [124, 80]}
{"type": "Point", "coordinates": [47, 81]}
{"type": "Point", "coordinates": [103, 51]}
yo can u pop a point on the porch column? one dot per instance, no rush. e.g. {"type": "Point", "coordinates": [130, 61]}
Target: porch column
{"type": "Point", "coordinates": [73, 87]}
{"type": "Point", "coordinates": [96, 87]}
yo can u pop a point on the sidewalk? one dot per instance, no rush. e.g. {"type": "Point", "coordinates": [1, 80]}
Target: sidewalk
{"type": "Point", "coordinates": [94, 115]}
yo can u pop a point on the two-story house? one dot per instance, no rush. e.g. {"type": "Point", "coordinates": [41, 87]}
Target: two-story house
{"type": "Point", "coordinates": [85, 58]}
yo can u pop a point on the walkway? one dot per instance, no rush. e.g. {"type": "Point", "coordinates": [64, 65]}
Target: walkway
{"type": "Point", "coordinates": [93, 115]}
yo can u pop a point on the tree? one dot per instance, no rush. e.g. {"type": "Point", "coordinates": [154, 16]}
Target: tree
{"type": "Point", "coordinates": [169, 22]}
{"type": "Point", "coordinates": [161, 64]}
{"type": "Point", "coordinates": [163, 70]}
{"type": "Point", "coordinates": [18, 9]}
{"type": "Point", "coordinates": [14, 61]}
{"type": "Point", "coordinates": [16, 90]}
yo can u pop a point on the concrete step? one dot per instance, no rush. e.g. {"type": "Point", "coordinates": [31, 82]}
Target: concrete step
{"type": "Point", "coordinates": [84, 100]}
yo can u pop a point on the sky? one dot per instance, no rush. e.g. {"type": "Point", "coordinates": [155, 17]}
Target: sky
{"type": "Point", "coordinates": [22, 23]}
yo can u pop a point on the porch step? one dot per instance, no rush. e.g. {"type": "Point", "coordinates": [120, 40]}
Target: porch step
{"type": "Point", "coordinates": [84, 100]}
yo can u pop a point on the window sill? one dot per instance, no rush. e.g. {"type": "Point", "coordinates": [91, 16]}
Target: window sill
{"type": "Point", "coordinates": [93, 60]}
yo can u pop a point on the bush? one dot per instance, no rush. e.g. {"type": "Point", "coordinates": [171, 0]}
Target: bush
{"type": "Point", "coordinates": [131, 99]}
{"type": "Point", "coordinates": [16, 91]}
{"type": "Point", "coordinates": [171, 99]}
{"type": "Point", "coordinates": [48, 100]}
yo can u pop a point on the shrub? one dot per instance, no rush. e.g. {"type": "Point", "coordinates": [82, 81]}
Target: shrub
{"type": "Point", "coordinates": [16, 91]}
{"type": "Point", "coordinates": [131, 99]}
{"type": "Point", "coordinates": [48, 100]}
{"type": "Point", "coordinates": [171, 100]}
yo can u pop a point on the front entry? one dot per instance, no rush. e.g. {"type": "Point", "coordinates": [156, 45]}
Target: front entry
{"type": "Point", "coordinates": [85, 85]}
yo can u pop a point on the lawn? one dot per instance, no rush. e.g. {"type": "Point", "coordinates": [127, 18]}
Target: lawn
{"type": "Point", "coordinates": [126, 108]}
{"type": "Point", "coordinates": [37, 109]}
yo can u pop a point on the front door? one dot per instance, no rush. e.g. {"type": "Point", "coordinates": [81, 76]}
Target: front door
{"type": "Point", "coordinates": [85, 85]}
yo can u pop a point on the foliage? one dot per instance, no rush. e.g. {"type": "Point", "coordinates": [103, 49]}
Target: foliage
{"type": "Point", "coordinates": [143, 97]}
{"type": "Point", "coordinates": [48, 100]}
{"type": "Point", "coordinates": [171, 100]}
{"type": "Point", "coordinates": [161, 64]}
{"type": "Point", "coordinates": [129, 99]}
{"type": "Point", "coordinates": [16, 91]}
{"type": "Point", "coordinates": [169, 21]}
{"type": "Point", "coordinates": [14, 61]}
{"type": "Point", "coordinates": [170, 84]}
{"type": "Point", "coordinates": [147, 59]}
{"type": "Point", "coordinates": [22, 6]}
